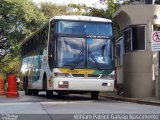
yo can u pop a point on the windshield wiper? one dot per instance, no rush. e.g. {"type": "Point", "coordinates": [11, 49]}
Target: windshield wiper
{"type": "Point", "coordinates": [78, 60]}
{"type": "Point", "coordinates": [94, 59]}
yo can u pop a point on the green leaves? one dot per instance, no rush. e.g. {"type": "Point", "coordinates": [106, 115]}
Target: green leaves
{"type": "Point", "coordinates": [18, 18]}
{"type": "Point", "coordinates": [51, 10]}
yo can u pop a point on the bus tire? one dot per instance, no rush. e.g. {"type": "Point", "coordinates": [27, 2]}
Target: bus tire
{"type": "Point", "coordinates": [45, 82]}
{"type": "Point", "coordinates": [24, 79]}
{"type": "Point", "coordinates": [49, 93]}
{"type": "Point", "coordinates": [35, 92]}
{"type": "Point", "coordinates": [24, 85]}
{"type": "Point", "coordinates": [26, 90]}
{"type": "Point", "coordinates": [62, 94]}
{"type": "Point", "coordinates": [94, 95]}
{"type": "Point", "coordinates": [30, 92]}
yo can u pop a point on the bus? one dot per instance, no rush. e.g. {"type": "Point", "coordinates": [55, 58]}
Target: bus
{"type": "Point", "coordinates": [69, 55]}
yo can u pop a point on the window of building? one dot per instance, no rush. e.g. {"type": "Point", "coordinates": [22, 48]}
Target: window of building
{"type": "Point", "coordinates": [134, 38]}
{"type": "Point", "coordinates": [138, 38]}
{"type": "Point", "coordinates": [156, 28]}
{"type": "Point", "coordinates": [127, 38]}
{"type": "Point", "coordinates": [119, 51]}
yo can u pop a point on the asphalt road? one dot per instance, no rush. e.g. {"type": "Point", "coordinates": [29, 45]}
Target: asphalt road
{"type": "Point", "coordinates": [71, 107]}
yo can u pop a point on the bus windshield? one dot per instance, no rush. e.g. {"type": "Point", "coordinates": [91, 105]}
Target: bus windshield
{"type": "Point", "coordinates": [84, 28]}
{"type": "Point", "coordinates": [90, 53]}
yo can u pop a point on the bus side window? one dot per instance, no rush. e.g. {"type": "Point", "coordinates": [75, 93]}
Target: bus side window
{"type": "Point", "coordinates": [51, 46]}
{"type": "Point", "coordinates": [27, 47]}
{"type": "Point", "coordinates": [39, 39]}
{"type": "Point", "coordinates": [36, 42]}
{"type": "Point", "coordinates": [52, 30]}
{"type": "Point", "coordinates": [42, 37]}
{"type": "Point", "coordinates": [46, 35]}
{"type": "Point", "coordinates": [52, 56]}
{"type": "Point", "coordinates": [32, 44]}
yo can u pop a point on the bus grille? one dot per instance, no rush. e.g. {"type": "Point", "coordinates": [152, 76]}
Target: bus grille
{"type": "Point", "coordinates": [82, 75]}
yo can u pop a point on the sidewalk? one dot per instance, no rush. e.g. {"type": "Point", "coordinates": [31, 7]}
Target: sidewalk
{"type": "Point", "coordinates": [148, 100]}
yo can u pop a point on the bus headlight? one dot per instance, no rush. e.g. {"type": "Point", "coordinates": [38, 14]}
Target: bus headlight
{"type": "Point", "coordinates": [107, 84]}
{"type": "Point", "coordinates": [60, 83]}
{"type": "Point", "coordinates": [63, 84]}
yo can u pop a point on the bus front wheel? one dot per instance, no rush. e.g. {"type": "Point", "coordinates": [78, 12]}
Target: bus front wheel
{"type": "Point", "coordinates": [49, 93]}
{"type": "Point", "coordinates": [94, 95]}
{"type": "Point", "coordinates": [35, 92]}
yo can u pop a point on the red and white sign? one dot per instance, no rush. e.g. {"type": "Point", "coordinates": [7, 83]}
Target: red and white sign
{"type": "Point", "coordinates": [155, 41]}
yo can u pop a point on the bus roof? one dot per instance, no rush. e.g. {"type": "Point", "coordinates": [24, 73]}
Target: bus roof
{"type": "Point", "coordinates": [80, 18]}
{"type": "Point", "coordinates": [70, 17]}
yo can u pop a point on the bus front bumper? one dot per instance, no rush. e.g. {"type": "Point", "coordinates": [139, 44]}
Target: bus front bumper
{"type": "Point", "coordinates": [85, 84]}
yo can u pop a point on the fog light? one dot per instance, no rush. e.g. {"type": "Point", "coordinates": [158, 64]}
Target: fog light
{"type": "Point", "coordinates": [109, 84]}
{"type": "Point", "coordinates": [60, 83]}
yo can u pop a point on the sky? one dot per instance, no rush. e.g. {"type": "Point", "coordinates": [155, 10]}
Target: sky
{"type": "Point", "coordinates": [90, 3]}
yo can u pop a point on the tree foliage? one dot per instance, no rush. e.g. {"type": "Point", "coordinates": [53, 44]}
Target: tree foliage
{"type": "Point", "coordinates": [78, 9]}
{"type": "Point", "coordinates": [111, 7]}
{"type": "Point", "coordinates": [51, 10]}
{"type": "Point", "coordinates": [18, 18]}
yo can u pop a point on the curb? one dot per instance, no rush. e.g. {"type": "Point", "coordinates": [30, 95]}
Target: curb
{"type": "Point", "coordinates": [134, 100]}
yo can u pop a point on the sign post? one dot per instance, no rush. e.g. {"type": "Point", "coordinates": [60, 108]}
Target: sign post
{"type": "Point", "coordinates": [155, 46]}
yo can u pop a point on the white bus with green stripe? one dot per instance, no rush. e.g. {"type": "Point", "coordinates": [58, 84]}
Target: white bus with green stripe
{"type": "Point", "coordinates": [69, 55]}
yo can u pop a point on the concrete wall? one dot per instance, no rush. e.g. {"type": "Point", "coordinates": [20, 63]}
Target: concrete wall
{"type": "Point", "coordinates": [138, 74]}
{"type": "Point", "coordinates": [136, 14]}
{"type": "Point", "coordinates": [119, 70]}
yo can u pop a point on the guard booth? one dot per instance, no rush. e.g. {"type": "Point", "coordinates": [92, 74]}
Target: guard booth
{"type": "Point", "coordinates": [137, 65]}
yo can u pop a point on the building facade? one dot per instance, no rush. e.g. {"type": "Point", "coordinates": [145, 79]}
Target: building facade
{"type": "Point", "coordinates": [137, 65]}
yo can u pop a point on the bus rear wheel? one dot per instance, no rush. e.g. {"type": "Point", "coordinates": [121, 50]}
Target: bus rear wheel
{"type": "Point", "coordinates": [94, 95]}
{"type": "Point", "coordinates": [29, 92]}
{"type": "Point", "coordinates": [26, 90]}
